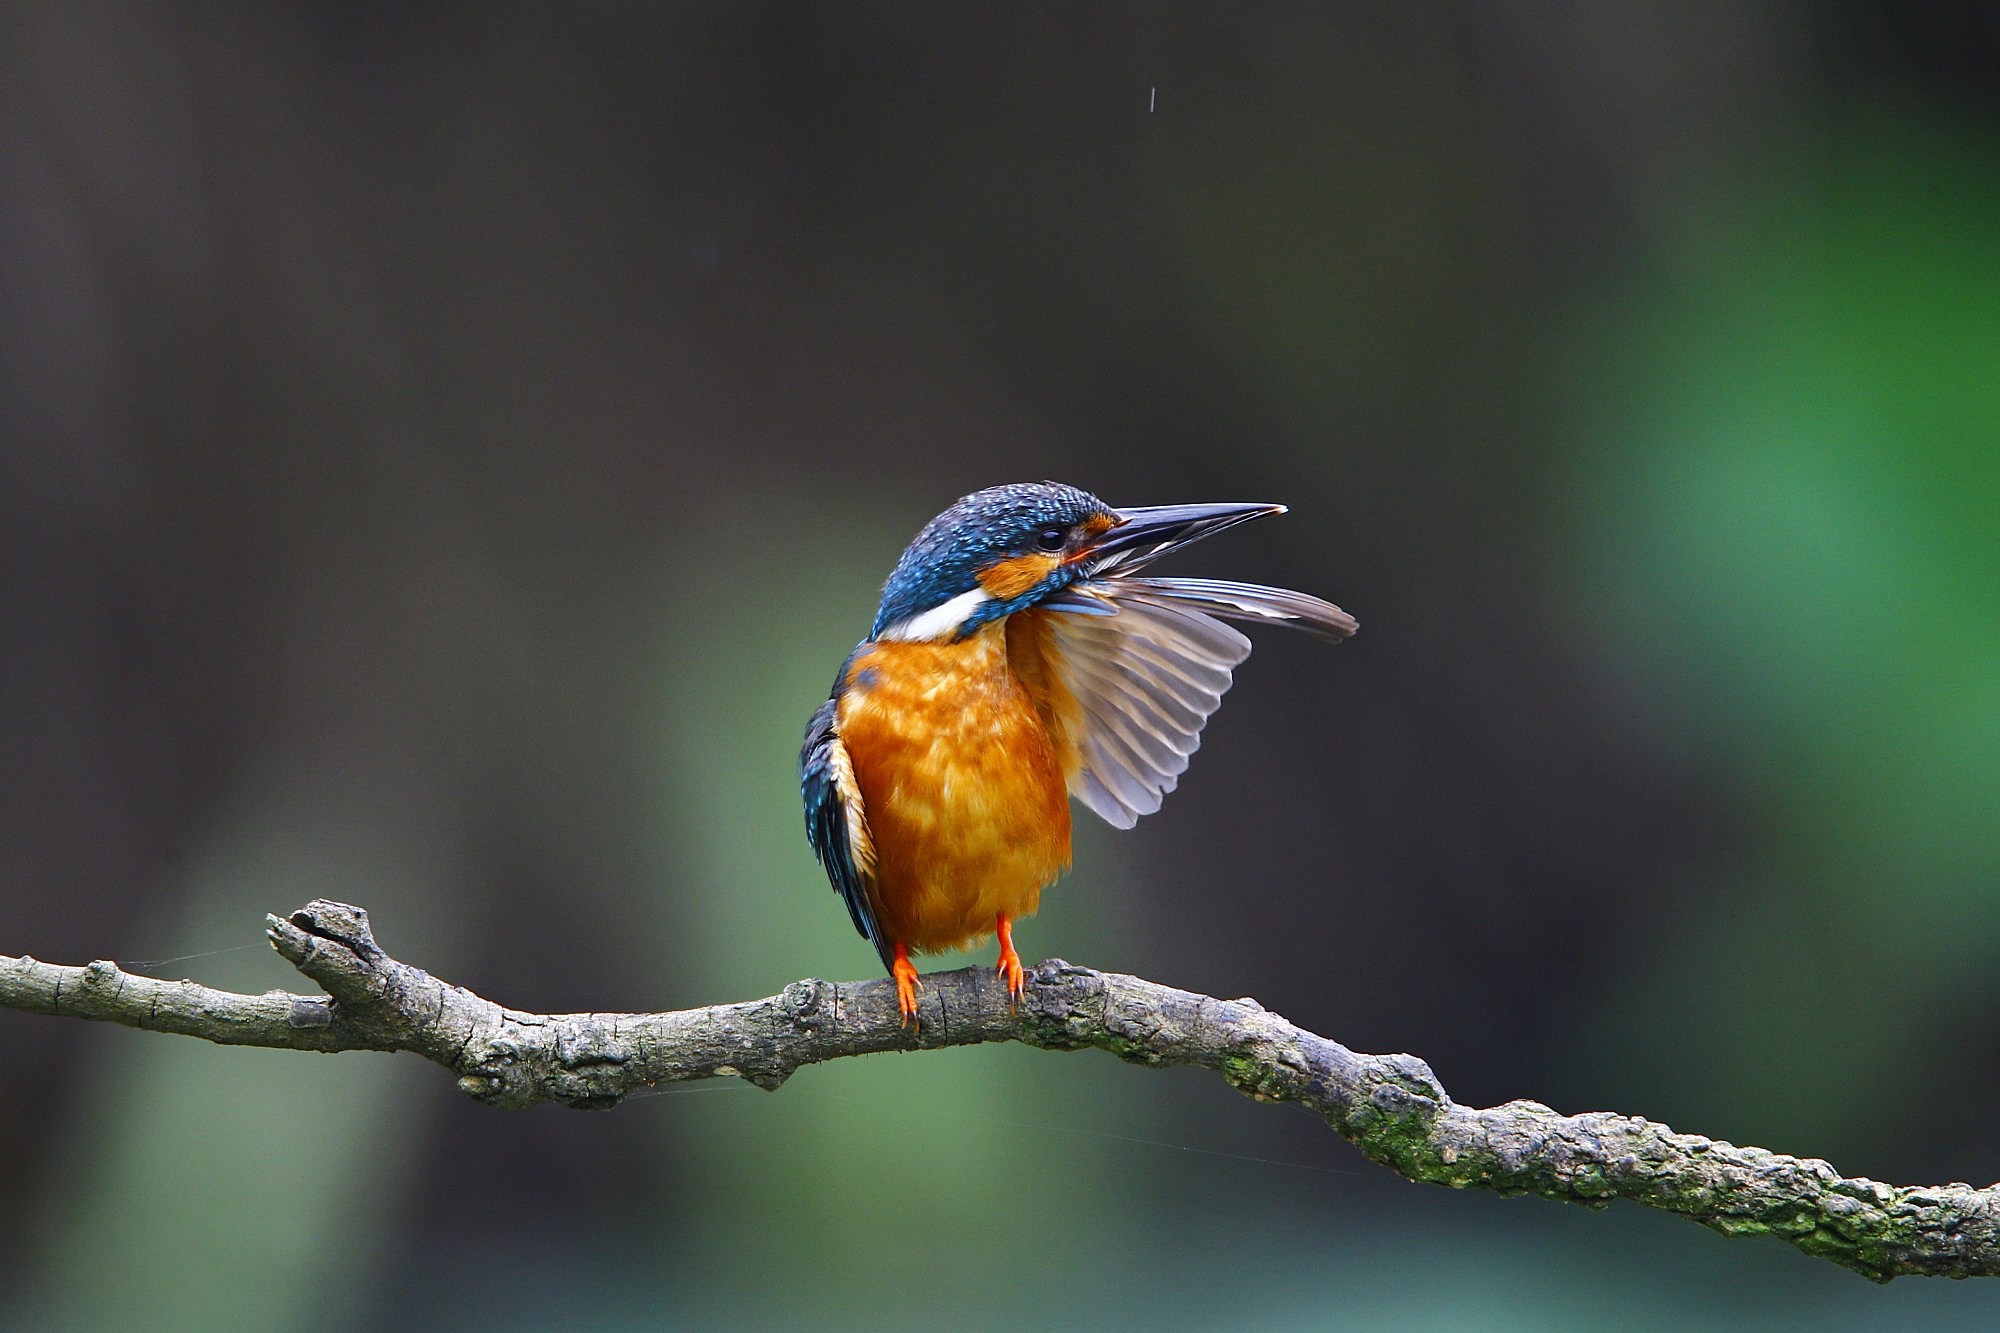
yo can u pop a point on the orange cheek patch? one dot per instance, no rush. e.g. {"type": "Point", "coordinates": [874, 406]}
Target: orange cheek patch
{"type": "Point", "coordinates": [1096, 525]}
{"type": "Point", "coordinates": [1010, 578]}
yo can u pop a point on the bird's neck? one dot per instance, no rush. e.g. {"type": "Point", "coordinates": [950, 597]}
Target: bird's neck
{"type": "Point", "coordinates": [983, 650]}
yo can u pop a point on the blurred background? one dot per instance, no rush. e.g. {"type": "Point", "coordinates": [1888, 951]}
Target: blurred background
{"type": "Point", "coordinates": [445, 451]}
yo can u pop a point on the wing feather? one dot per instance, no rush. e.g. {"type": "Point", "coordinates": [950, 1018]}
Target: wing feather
{"type": "Point", "coordinates": [1159, 714]}
{"type": "Point", "coordinates": [1148, 661]}
{"type": "Point", "coordinates": [1249, 601]}
{"type": "Point", "coordinates": [837, 824]}
{"type": "Point", "coordinates": [1145, 681]}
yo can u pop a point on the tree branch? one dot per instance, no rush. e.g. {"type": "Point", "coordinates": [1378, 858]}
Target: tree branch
{"type": "Point", "coordinates": [1390, 1106]}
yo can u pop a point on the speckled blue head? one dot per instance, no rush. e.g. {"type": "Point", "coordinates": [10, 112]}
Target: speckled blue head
{"type": "Point", "coordinates": [935, 591]}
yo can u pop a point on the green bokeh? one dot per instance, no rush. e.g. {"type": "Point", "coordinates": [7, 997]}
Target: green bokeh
{"type": "Point", "coordinates": [1790, 532]}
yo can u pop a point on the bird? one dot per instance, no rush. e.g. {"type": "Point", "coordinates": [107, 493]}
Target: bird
{"type": "Point", "coordinates": [1018, 660]}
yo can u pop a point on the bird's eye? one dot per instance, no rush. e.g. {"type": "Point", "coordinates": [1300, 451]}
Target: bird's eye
{"type": "Point", "coordinates": [1051, 539]}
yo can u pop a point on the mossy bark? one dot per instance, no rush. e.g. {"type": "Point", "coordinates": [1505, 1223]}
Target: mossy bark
{"type": "Point", "coordinates": [1392, 1107]}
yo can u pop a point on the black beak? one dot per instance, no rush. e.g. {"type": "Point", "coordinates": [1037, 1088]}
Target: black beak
{"type": "Point", "coordinates": [1144, 535]}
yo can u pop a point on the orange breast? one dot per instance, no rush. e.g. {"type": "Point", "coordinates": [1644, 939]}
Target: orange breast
{"type": "Point", "coordinates": [961, 783]}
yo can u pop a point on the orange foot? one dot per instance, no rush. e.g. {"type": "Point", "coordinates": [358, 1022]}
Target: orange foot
{"type": "Point", "coordinates": [905, 973]}
{"type": "Point", "coordinates": [1010, 962]}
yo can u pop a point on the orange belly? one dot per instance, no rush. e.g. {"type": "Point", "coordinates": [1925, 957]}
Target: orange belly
{"type": "Point", "coordinates": [962, 788]}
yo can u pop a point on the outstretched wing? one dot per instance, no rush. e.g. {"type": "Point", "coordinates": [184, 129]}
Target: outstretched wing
{"type": "Point", "coordinates": [836, 824]}
{"type": "Point", "coordinates": [1145, 662]}
{"type": "Point", "coordinates": [1250, 602]}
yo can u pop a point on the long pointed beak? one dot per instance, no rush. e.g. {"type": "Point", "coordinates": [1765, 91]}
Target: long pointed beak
{"type": "Point", "coordinates": [1145, 534]}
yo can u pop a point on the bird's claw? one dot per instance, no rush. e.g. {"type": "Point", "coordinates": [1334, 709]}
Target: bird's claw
{"type": "Point", "coordinates": [905, 973]}
{"type": "Point", "coordinates": [1014, 975]}
{"type": "Point", "coordinates": [1009, 966]}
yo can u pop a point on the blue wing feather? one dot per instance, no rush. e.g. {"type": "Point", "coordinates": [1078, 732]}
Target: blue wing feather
{"type": "Point", "coordinates": [836, 825]}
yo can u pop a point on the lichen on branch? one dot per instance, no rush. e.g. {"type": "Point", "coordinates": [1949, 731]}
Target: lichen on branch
{"type": "Point", "coordinates": [1391, 1107]}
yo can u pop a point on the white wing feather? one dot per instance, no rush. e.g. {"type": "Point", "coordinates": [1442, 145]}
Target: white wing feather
{"type": "Point", "coordinates": [1146, 681]}
{"type": "Point", "coordinates": [1249, 602]}
{"type": "Point", "coordinates": [1148, 662]}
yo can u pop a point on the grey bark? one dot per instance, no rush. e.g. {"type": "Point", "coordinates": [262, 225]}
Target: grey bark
{"type": "Point", "coordinates": [1390, 1106]}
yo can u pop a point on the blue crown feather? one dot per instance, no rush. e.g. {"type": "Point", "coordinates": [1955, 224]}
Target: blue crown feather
{"type": "Point", "coordinates": [945, 559]}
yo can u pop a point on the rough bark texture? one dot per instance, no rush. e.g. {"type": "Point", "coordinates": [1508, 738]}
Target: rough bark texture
{"type": "Point", "coordinates": [1390, 1106]}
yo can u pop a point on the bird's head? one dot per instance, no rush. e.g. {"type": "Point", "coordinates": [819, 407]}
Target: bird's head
{"type": "Point", "coordinates": [1004, 549]}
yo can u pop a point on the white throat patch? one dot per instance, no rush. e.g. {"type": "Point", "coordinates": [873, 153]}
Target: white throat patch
{"type": "Point", "coordinates": [940, 622]}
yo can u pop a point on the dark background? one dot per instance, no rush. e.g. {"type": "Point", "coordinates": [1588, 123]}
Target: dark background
{"type": "Point", "coordinates": [447, 449]}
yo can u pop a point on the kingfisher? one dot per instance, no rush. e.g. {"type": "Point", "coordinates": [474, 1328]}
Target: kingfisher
{"type": "Point", "coordinates": [1018, 660]}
